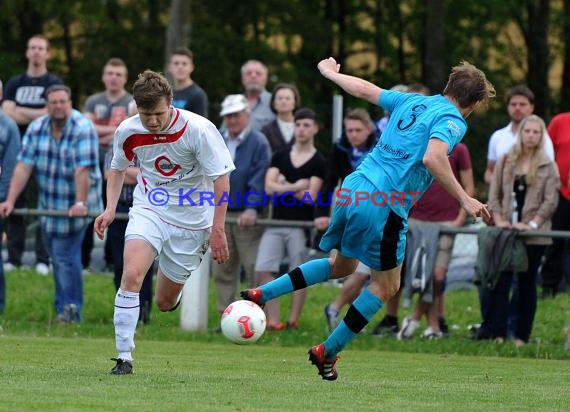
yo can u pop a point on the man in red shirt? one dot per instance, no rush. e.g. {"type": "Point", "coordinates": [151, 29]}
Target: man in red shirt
{"type": "Point", "coordinates": [557, 264]}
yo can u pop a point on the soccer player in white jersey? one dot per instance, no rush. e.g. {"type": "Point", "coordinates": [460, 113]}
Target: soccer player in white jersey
{"type": "Point", "coordinates": [178, 208]}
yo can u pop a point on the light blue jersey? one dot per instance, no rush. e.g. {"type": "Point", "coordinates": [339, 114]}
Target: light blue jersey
{"type": "Point", "coordinates": [370, 216]}
{"type": "Point", "coordinates": [395, 165]}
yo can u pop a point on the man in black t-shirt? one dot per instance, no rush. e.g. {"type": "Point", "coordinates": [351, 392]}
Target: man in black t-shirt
{"type": "Point", "coordinates": [24, 101]}
{"type": "Point", "coordinates": [293, 180]}
{"type": "Point", "coordinates": [186, 93]}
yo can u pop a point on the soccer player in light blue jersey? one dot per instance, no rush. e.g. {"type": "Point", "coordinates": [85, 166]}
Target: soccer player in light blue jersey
{"type": "Point", "coordinates": [369, 220]}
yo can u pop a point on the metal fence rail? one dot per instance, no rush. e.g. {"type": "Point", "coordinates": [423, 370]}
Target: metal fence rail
{"type": "Point", "coordinates": [296, 223]}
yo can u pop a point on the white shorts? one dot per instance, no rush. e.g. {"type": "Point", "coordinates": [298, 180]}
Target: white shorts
{"type": "Point", "coordinates": [179, 251]}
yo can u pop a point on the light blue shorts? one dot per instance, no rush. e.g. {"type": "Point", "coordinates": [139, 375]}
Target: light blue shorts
{"type": "Point", "coordinates": [365, 228]}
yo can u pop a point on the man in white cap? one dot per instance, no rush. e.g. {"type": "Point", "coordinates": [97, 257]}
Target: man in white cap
{"type": "Point", "coordinates": [251, 155]}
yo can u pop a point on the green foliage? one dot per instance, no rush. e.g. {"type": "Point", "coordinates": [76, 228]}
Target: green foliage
{"type": "Point", "coordinates": [29, 312]}
{"type": "Point", "coordinates": [382, 41]}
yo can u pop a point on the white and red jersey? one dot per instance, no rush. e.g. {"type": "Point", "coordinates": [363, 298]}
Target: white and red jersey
{"type": "Point", "coordinates": [177, 167]}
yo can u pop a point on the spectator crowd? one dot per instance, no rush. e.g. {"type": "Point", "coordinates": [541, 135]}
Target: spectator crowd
{"type": "Point", "coordinates": [65, 155]}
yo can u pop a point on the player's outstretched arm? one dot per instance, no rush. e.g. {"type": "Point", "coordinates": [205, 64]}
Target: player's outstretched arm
{"type": "Point", "coordinates": [355, 86]}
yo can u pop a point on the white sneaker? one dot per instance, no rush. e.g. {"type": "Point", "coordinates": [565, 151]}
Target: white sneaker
{"type": "Point", "coordinates": [431, 334]}
{"type": "Point", "coordinates": [409, 326]}
{"type": "Point", "coordinates": [8, 267]}
{"type": "Point", "coordinates": [42, 269]}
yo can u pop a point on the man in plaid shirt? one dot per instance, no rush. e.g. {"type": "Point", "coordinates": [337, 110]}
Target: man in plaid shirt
{"type": "Point", "coordinates": [61, 149]}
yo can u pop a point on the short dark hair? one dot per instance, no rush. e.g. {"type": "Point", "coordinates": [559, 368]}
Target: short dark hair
{"type": "Point", "coordinates": [41, 37]}
{"type": "Point", "coordinates": [57, 88]}
{"type": "Point", "coordinates": [289, 86]}
{"type": "Point", "coordinates": [116, 62]}
{"type": "Point", "coordinates": [184, 51]}
{"type": "Point", "coordinates": [149, 88]}
{"type": "Point", "coordinates": [521, 90]}
{"type": "Point", "coordinates": [305, 113]}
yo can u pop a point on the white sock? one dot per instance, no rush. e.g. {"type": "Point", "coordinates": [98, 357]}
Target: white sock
{"type": "Point", "coordinates": [126, 316]}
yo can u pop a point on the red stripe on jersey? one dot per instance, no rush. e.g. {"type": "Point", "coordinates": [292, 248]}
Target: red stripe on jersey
{"type": "Point", "coordinates": [144, 184]}
{"type": "Point", "coordinates": [140, 139]}
{"type": "Point", "coordinates": [173, 122]}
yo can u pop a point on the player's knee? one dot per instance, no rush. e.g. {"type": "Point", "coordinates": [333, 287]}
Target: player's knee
{"type": "Point", "coordinates": [342, 268]}
{"type": "Point", "coordinates": [387, 288]}
{"type": "Point", "coordinates": [163, 304]}
{"type": "Point", "coordinates": [392, 288]}
{"type": "Point", "coordinates": [131, 279]}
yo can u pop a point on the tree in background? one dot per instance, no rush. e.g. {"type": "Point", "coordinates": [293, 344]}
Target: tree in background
{"type": "Point", "coordinates": [385, 41]}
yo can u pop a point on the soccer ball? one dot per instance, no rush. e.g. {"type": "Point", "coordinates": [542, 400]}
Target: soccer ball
{"type": "Point", "coordinates": [243, 322]}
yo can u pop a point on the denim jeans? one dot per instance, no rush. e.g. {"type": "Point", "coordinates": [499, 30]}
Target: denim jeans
{"type": "Point", "coordinates": [65, 253]}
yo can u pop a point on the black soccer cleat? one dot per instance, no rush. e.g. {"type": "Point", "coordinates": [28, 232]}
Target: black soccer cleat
{"type": "Point", "coordinates": [123, 367]}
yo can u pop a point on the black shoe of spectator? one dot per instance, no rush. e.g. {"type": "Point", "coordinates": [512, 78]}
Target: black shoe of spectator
{"type": "Point", "coordinates": [548, 292]}
{"type": "Point", "coordinates": [443, 326]}
{"type": "Point", "coordinates": [481, 334]}
{"type": "Point", "coordinates": [387, 326]}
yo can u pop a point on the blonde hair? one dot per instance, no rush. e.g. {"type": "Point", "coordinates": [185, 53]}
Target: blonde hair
{"type": "Point", "coordinates": [516, 151]}
{"type": "Point", "coordinates": [359, 114]}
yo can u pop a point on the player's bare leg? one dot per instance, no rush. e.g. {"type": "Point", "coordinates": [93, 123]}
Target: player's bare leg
{"type": "Point", "coordinates": [138, 257]}
{"type": "Point", "coordinates": [168, 293]}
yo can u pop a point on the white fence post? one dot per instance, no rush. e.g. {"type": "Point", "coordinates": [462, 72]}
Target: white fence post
{"type": "Point", "coordinates": [337, 117]}
{"type": "Point", "coordinates": [194, 304]}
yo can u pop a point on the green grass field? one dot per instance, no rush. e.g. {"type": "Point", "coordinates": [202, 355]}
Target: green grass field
{"type": "Point", "coordinates": [45, 366]}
